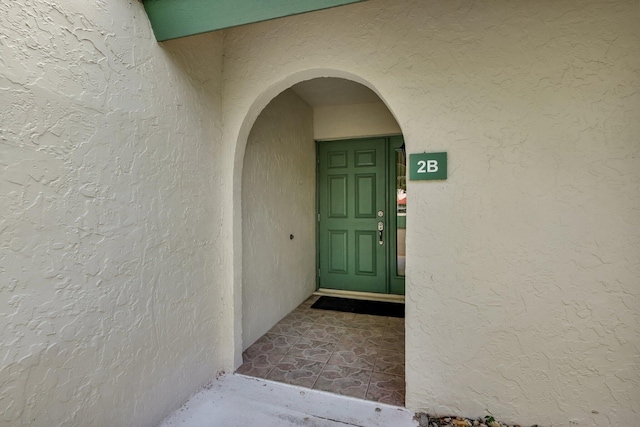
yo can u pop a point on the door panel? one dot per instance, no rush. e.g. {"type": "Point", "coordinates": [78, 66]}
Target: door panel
{"type": "Point", "coordinates": [338, 250]}
{"type": "Point", "coordinates": [337, 159]}
{"type": "Point", "coordinates": [351, 190]}
{"type": "Point", "coordinates": [365, 196]}
{"type": "Point", "coordinates": [338, 196]}
{"type": "Point", "coordinates": [365, 158]}
{"type": "Point", "coordinates": [366, 253]}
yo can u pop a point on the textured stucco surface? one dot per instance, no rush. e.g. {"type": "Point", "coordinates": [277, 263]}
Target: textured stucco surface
{"type": "Point", "coordinates": [109, 304]}
{"type": "Point", "coordinates": [523, 267]}
{"type": "Point", "coordinates": [353, 121]}
{"type": "Point", "coordinates": [278, 200]}
{"type": "Point", "coordinates": [121, 165]}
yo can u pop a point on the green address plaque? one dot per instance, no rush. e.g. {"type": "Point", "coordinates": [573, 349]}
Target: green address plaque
{"type": "Point", "coordinates": [427, 166]}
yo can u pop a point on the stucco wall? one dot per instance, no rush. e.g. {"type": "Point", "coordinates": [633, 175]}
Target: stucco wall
{"type": "Point", "coordinates": [522, 268]}
{"type": "Point", "coordinates": [121, 250]}
{"type": "Point", "coordinates": [278, 200]}
{"type": "Point", "coordinates": [353, 121]}
{"type": "Point", "coordinates": [109, 303]}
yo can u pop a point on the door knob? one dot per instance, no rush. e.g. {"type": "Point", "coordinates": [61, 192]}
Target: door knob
{"type": "Point", "coordinates": [380, 230]}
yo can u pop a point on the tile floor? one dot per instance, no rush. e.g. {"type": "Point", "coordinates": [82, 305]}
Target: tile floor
{"type": "Point", "coordinates": [350, 354]}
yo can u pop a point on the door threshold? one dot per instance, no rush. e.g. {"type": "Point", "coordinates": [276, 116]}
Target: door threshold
{"type": "Point", "coordinates": [369, 296]}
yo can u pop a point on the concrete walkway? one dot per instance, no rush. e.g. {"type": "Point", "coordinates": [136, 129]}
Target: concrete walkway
{"type": "Point", "coordinates": [236, 400]}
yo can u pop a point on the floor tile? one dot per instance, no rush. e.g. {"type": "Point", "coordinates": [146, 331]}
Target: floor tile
{"type": "Point", "coordinates": [336, 318]}
{"type": "Point", "coordinates": [368, 333]}
{"type": "Point", "coordinates": [395, 325]}
{"type": "Point", "coordinates": [318, 351]}
{"type": "Point", "coordinates": [354, 356]}
{"type": "Point", "coordinates": [361, 337]}
{"type": "Point", "coordinates": [291, 321]}
{"type": "Point", "coordinates": [366, 321]}
{"type": "Point", "coordinates": [253, 371]}
{"type": "Point", "coordinates": [260, 366]}
{"type": "Point", "coordinates": [344, 380]}
{"type": "Point", "coordinates": [310, 301]}
{"type": "Point", "coordinates": [305, 315]}
{"type": "Point", "coordinates": [292, 370]}
{"type": "Point", "coordinates": [390, 362]}
{"type": "Point", "coordinates": [386, 388]}
{"type": "Point", "coordinates": [270, 344]}
{"type": "Point", "coordinates": [390, 341]}
{"type": "Point", "coordinates": [270, 358]}
{"type": "Point", "coordinates": [295, 329]}
{"type": "Point", "coordinates": [329, 333]}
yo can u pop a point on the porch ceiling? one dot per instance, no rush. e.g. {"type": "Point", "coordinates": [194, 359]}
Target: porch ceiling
{"type": "Point", "coordinates": [171, 19]}
{"type": "Point", "coordinates": [329, 91]}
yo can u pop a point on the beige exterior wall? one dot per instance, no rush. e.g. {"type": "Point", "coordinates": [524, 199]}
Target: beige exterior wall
{"type": "Point", "coordinates": [278, 200]}
{"type": "Point", "coordinates": [110, 305]}
{"type": "Point", "coordinates": [121, 234]}
{"type": "Point", "coordinates": [353, 121]}
{"type": "Point", "coordinates": [522, 267]}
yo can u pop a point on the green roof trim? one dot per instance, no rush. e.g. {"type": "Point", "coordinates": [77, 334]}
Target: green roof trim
{"type": "Point", "coordinates": [171, 19]}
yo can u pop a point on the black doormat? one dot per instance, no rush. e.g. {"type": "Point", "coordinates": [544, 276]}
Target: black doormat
{"type": "Point", "coordinates": [376, 308]}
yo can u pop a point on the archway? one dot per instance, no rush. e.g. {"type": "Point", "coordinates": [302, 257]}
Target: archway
{"type": "Point", "coordinates": [272, 93]}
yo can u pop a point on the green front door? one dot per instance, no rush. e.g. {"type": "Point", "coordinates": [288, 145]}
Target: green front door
{"type": "Point", "coordinates": [353, 224]}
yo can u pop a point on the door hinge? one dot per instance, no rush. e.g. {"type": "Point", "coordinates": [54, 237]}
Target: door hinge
{"type": "Point", "coordinates": [318, 272]}
{"type": "Point", "coordinates": [318, 217]}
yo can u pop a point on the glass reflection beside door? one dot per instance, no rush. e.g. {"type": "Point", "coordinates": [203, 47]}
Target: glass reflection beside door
{"type": "Point", "coordinates": [401, 211]}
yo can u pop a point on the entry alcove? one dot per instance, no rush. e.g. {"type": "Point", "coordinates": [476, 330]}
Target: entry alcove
{"type": "Point", "coordinates": [279, 190]}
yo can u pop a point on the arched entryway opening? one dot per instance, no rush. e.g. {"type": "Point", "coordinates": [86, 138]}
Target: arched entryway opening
{"type": "Point", "coordinates": [279, 218]}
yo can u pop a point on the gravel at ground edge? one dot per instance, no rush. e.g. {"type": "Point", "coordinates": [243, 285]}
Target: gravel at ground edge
{"type": "Point", "coordinates": [427, 420]}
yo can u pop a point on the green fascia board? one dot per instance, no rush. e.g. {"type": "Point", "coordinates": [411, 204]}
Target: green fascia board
{"type": "Point", "coordinates": [171, 19]}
